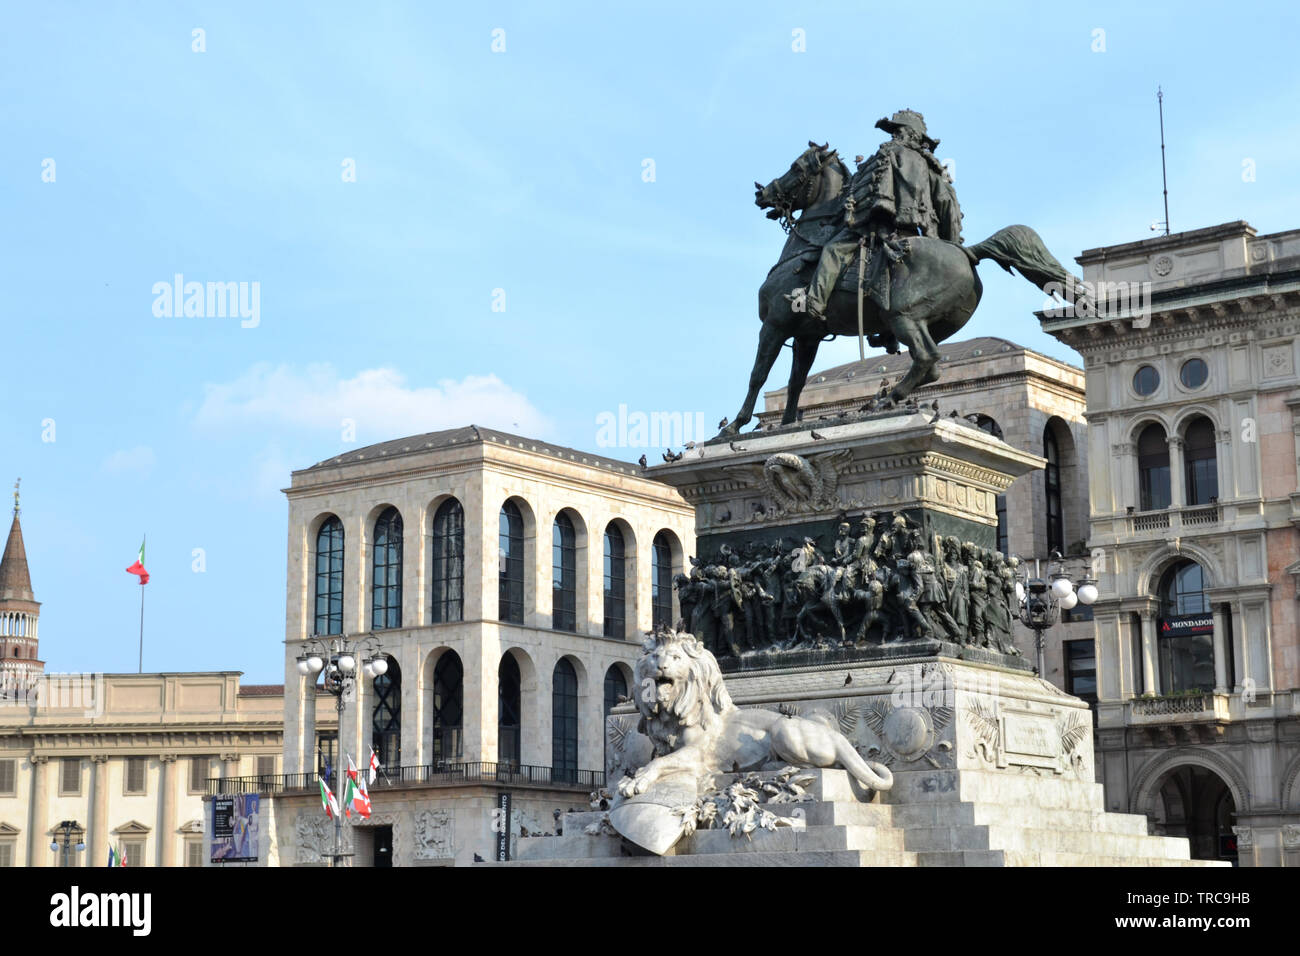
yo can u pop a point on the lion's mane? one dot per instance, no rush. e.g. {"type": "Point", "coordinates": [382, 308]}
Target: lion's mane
{"type": "Point", "coordinates": [700, 700]}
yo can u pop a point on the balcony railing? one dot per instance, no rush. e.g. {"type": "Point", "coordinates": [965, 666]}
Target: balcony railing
{"type": "Point", "coordinates": [433, 775]}
{"type": "Point", "coordinates": [1197, 517]}
{"type": "Point", "coordinates": [1148, 521]}
{"type": "Point", "coordinates": [1202, 706]}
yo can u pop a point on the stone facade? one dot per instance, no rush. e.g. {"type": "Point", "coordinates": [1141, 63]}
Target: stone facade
{"type": "Point", "coordinates": [482, 470]}
{"type": "Point", "coordinates": [1194, 400]}
{"type": "Point", "coordinates": [127, 759]}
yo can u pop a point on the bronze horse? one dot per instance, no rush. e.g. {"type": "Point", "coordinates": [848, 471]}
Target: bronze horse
{"type": "Point", "coordinates": [933, 290]}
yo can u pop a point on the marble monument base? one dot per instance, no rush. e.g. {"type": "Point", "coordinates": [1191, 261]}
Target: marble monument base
{"type": "Point", "coordinates": [991, 766]}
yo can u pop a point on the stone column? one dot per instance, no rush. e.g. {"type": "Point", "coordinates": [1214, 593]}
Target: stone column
{"type": "Point", "coordinates": [167, 798]}
{"type": "Point", "coordinates": [305, 751]}
{"type": "Point", "coordinates": [38, 850]}
{"type": "Point", "coordinates": [1149, 651]}
{"type": "Point", "coordinates": [1177, 478]}
{"type": "Point", "coordinates": [1239, 668]}
{"type": "Point", "coordinates": [99, 838]}
{"type": "Point", "coordinates": [1220, 651]}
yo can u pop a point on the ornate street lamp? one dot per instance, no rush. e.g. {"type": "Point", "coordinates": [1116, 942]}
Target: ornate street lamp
{"type": "Point", "coordinates": [1041, 600]}
{"type": "Point", "coordinates": [338, 659]}
{"type": "Point", "coordinates": [67, 826]}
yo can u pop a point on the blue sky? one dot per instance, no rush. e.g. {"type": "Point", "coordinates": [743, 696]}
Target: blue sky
{"type": "Point", "coordinates": [521, 171]}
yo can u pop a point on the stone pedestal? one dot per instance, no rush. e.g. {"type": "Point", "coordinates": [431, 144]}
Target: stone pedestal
{"type": "Point", "coordinates": [944, 475]}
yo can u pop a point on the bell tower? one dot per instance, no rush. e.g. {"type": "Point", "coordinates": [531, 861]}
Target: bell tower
{"type": "Point", "coordinates": [20, 668]}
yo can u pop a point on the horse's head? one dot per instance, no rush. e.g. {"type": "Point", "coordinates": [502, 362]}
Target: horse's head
{"type": "Point", "coordinates": [801, 185]}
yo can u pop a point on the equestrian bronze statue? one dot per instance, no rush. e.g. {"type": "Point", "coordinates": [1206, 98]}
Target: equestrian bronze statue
{"type": "Point", "coordinates": [877, 253]}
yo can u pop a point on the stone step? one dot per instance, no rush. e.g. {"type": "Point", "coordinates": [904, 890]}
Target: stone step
{"type": "Point", "coordinates": [939, 814]}
{"type": "Point", "coordinates": [796, 840]}
{"type": "Point", "coordinates": [1018, 858]}
{"type": "Point", "coordinates": [1035, 840]}
{"type": "Point", "coordinates": [1007, 789]}
{"type": "Point", "coordinates": [846, 858]}
{"type": "Point", "coordinates": [822, 813]}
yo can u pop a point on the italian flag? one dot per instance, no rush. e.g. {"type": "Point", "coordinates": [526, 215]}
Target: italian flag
{"type": "Point", "coordinates": [354, 793]}
{"type": "Point", "coordinates": [138, 567]}
{"type": "Point", "coordinates": [327, 801]}
{"type": "Point", "coordinates": [114, 859]}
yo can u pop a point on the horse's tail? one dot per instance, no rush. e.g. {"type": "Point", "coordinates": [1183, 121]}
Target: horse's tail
{"type": "Point", "coordinates": [1021, 247]}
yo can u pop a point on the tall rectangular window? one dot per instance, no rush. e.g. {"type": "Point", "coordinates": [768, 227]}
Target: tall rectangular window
{"type": "Point", "coordinates": [199, 773]}
{"type": "Point", "coordinates": [266, 765]}
{"type": "Point", "coordinates": [564, 574]}
{"type": "Point", "coordinates": [70, 777]}
{"type": "Point", "coordinates": [329, 577]}
{"type": "Point", "coordinates": [6, 853]}
{"type": "Point", "coordinates": [1081, 669]}
{"type": "Point", "coordinates": [661, 583]}
{"type": "Point", "coordinates": [194, 853]}
{"type": "Point", "coordinates": [8, 777]}
{"type": "Point", "coordinates": [615, 584]}
{"type": "Point", "coordinates": [133, 853]}
{"type": "Point", "coordinates": [449, 562]}
{"type": "Point", "coordinates": [135, 767]}
{"type": "Point", "coordinates": [386, 572]}
{"type": "Point", "coordinates": [510, 553]}
{"type": "Point", "coordinates": [1135, 640]}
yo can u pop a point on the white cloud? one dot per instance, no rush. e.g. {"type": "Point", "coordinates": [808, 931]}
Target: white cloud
{"type": "Point", "coordinates": [138, 460]}
{"type": "Point", "coordinates": [378, 401]}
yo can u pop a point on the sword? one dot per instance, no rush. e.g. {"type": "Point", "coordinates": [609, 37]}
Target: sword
{"type": "Point", "coordinates": [862, 271]}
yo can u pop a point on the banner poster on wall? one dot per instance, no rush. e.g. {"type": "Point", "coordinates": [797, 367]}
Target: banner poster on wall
{"type": "Point", "coordinates": [235, 828]}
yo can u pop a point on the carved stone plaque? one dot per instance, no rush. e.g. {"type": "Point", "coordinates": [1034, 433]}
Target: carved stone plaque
{"type": "Point", "coordinates": [1030, 740]}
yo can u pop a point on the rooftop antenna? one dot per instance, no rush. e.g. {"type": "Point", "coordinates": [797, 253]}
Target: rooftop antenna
{"type": "Point", "coordinates": [16, 484]}
{"type": "Point", "coordinates": [1164, 178]}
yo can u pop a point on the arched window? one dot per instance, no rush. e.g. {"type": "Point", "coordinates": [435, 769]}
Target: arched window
{"type": "Point", "coordinates": [329, 577]}
{"type": "Point", "coordinates": [448, 562]}
{"type": "Point", "coordinates": [564, 574]}
{"type": "Point", "coordinates": [386, 584]}
{"type": "Point", "coordinates": [386, 735]}
{"type": "Point", "coordinates": [510, 553]}
{"type": "Point", "coordinates": [986, 424]}
{"type": "Point", "coordinates": [1153, 468]}
{"type": "Point", "coordinates": [564, 722]}
{"type": "Point", "coordinates": [615, 687]}
{"type": "Point", "coordinates": [1201, 463]}
{"type": "Point", "coordinates": [615, 583]}
{"type": "Point", "coordinates": [661, 582]}
{"type": "Point", "coordinates": [509, 711]}
{"type": "Point", "coordinates": [448, 708]}
{"type": "Point", "coordinates": [1052, 479]}
{"type": "Point", "coordinates": [1185, 632]}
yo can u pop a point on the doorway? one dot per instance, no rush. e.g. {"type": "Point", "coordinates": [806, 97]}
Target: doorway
{"type": "Point", "coordinates": [383, 846]}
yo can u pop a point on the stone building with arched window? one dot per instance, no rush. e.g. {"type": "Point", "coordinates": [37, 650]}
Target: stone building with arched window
{"type": "Point", "coordinates": [1194, 403]}
{"type": "Point", "coordinates": [509, 583]}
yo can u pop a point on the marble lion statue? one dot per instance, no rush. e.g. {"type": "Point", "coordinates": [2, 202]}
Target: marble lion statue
{"type": "Point", "coordinates": [697, 731]}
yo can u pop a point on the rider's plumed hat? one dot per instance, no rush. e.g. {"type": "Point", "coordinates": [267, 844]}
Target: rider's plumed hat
{"type": "Point", "coordinates": [912, 120]}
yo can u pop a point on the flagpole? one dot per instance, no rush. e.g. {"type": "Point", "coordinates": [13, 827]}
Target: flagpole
{"type": "Point", "coordinates": [141, 665]}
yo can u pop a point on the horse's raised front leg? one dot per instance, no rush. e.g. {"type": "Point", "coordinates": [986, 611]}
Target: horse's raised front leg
{"type": "Point", "coordinates": [769, 347]}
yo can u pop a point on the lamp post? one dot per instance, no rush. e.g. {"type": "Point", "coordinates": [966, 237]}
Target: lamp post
{"type": "Point", "coordinates": [338, 659]}
{"type": "Point", "coordinates": [1041, 601]}
{"type": "Point", "coordinates": [67, 826]}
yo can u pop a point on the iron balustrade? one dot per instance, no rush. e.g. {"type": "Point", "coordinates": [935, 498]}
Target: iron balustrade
{"type": "Point", "coordinates": [440, 774]}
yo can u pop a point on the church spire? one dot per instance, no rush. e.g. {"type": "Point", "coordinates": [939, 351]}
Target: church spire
{"type": "Point", "coordinates": [15, 581]}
